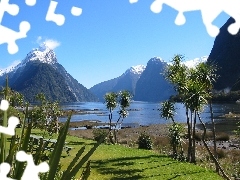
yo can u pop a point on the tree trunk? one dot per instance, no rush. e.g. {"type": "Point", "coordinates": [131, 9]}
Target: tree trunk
{"type": "Point", "coordinates": [189, 137]}
{"type": "Point", "coordinates": [193, 159]}
{"type": "Point", "coordinates": [217, 164]}
{"type": "Point", "coordinates": [214, 134]}
{"type": "Point", "coordinates": [57, 125]}
{"type": "Point", "coordinates": [111, 136]}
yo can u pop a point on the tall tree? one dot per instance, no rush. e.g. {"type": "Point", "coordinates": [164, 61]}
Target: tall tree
{"type": "Point", "coordinates": [113, 100]}
{"type": "Point", "coordinates": [194, 85]}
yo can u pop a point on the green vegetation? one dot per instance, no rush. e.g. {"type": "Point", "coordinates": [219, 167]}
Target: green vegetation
{"type": "Point", "coordinates": [120, 162]}
{"type": "Point", "coordinates": [145, 142]}
{"type": "Point", "coordinates": [99, 134]}
{"type": "Point", "coordinates": [175, 130]}
{"type": "Point", "coordinates": [21, 143]}
{"type": "Point", "coordinates": [194, 86]}
{"type": "Point", "coordinates": [122, 101]}
{"type": "Point", "coordinates": [106, 161]}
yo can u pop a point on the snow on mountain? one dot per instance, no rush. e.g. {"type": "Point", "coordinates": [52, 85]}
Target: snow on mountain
{"type": "Point", "coordinates": [156, 59]}
{"type": "Point", "coordinates": [196, 61]}
{"type": "Point", "coordinates": [43, 53]}
{"type": "Point", "coordinates": [136, 69]}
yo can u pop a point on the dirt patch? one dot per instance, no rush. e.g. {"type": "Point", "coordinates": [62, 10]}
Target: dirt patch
{"type": "Point", "coordinates": [128, 134]}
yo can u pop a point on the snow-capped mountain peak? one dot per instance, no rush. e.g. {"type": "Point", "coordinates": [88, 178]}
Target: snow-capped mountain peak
{"type": "Point", "coordinates": [137, 69]}
{"type": "Point", "coordinates": [194, 62]}
{"type": "Point", "coordinates": [156, 59]}
{"type": "Point", "coordinates": [43, 53]}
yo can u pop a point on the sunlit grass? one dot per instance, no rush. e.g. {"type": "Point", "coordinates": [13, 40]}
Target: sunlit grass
{"type": "Point", "coordinates": [119, 162]}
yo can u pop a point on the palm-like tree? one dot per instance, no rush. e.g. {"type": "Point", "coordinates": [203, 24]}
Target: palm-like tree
{"type": "Point", "coordinates": [175, 130]}
{"type": "Point", "coordinates": [111, 104]}
{"type": "Point", "coordinates": [178, 74]}
{"type": "Point", "coordinates": [167, 110]}
{"type": "Point", "coordinates": [195, 86]}
{"type": "Point", "coordinates": [112, 100]}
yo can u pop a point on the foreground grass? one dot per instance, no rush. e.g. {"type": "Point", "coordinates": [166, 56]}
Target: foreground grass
{"type": "Point", "coordinates": [115, 162]}
{"type": "Point", "coordinates": [119, 162]}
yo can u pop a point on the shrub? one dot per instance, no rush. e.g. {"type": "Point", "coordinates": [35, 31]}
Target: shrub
{"type": "Point", "coordinates": [221, 153]}
{"type": "Point", "coordinates": [222, 136]}
{"type": "Point", "coordinates": [144, 141]}
{"type": "Point", "coordinates": [99, 134]}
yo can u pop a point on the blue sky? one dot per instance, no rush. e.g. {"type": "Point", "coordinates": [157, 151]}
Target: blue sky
{"type": "Point", "coordinates": [109, 36]}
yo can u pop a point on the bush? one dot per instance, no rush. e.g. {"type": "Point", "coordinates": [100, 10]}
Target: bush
{"type": "Point", "coordinates": [222, 136]}
{"type": "Point", "coordinates": [221, 153]}
{"type": "Point", "coordinates": [99, 134]}
{"type": "Point", "coordinates": [144, 141]}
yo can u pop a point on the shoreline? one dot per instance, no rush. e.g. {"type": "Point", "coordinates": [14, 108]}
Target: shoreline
{"type": "Point", "coordinates": [158, 131]}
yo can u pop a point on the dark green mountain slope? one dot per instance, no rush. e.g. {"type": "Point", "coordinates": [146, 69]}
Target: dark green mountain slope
{"type": "Point", "coordinates": [226, 54]}
{"type": "Point", "coordinates": [42, 78]}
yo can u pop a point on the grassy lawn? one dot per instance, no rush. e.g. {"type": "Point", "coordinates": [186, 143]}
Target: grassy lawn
{"type": "Point", "coordinates": [118, 162]}
{"type": "Point", "coordinates": [115, 162]}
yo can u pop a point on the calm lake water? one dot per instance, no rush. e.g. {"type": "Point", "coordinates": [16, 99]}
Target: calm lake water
{"type": "Point", "coordinates": [143, 113]}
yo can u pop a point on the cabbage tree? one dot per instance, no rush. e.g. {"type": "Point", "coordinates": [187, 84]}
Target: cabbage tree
{"type": "Point", "coordinates": [113, 100]}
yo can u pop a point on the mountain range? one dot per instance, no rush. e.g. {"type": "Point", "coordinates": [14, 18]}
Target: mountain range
{"type": "Point", "coordinates": [145, 83]}
{"type": "Point", "coordinates": [40, 72]}
{"type": "Point", "coordinates": [127, 81]}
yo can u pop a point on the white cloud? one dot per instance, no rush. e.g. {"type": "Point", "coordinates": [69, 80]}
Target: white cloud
{"type": "Point", "coordinates": [39, 39]}
{"type": "Point", "coordinates": [51, 43]}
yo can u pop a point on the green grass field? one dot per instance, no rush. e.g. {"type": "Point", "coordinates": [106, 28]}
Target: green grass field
{"type": "Point", "coordinates": [115, 162]}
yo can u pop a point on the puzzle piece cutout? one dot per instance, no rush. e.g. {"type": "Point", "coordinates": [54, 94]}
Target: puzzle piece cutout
{"type": "Point", "coordinates": [30, 2]}
{"type": "Point", "coordinates": [12, 9]}
{"type": "Point", "coordinates": [76, 11]}
{"type": "Point", "coordinates": [59, 19]}
{"type": "Point", "coordinates": [8, 35]}
{"type": "Point", "coordinates": [12, 123]}
{"type": "Point", "coordinates": [4, 105]}
{"type": "Point", "coordinates": [31, 171]}
{"type": "Point", "coordinates": [4, 170]}
{"type": "Point", "coordinates": [209, 11]}
{"type": "Point", "coordinates": [133, 1]}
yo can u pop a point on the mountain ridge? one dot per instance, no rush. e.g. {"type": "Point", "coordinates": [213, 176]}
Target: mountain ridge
{"type": "Point", "coordinates": [127, 81]}
{"type": "Point", "coordinates": [115, 84]}
{"type": "Point", "coordinates": [152, 86]}
{"type": "Point", "coordinates": [48, 77]}
{"type": "Point", "coordinates": [225, 54]}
